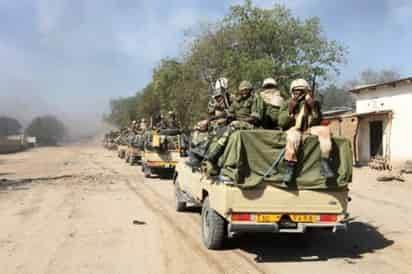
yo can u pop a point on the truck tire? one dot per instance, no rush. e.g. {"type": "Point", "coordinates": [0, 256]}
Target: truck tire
{"type": "Point", "coordinates": [213, 227]}
{"type": "Point", "coordinates": [180, 203]}
{"type": "Point", "coordinates": [147, 171]}
{"type": "Point", "coordinates": [131, 160]}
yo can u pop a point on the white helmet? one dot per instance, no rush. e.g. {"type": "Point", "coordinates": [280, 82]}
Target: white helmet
{"type": "Point", "coordinates": [221, 83]}
{"type": "Point", "coordinates": [269, 82]}
{"type": "Point", "coordinates": [300, 83]}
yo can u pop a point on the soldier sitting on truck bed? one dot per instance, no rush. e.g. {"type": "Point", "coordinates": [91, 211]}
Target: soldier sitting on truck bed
{"type": "Point", "coordinates": [239, 113]}
{"type": "Point", "coordinates": [299, 116]}
{"type": "Point", "coordinates": [214, 126]}
{"type": "Point", "coordinates": [267, 105]}
{"type": "Point", "coordinates": [171, 121]}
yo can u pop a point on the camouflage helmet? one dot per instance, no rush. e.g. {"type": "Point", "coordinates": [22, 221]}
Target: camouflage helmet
{"type": "Point", "coordinates": [245, 85]}
{"type": "Point", "coordinates": [269, 82]}
{"type": "Point", "coordinates": [300, 84]}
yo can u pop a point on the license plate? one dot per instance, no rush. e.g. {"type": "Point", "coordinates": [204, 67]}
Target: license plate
{"type": "Point", "coordinates": [167, 165]}
{"type": "Point", "coordinates": [301, 218]}
{"type": "Point", "coordinates": [267, 218]}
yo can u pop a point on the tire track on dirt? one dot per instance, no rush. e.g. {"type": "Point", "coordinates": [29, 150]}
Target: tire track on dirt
{"type": "Point", "coordinates": [143, 191]}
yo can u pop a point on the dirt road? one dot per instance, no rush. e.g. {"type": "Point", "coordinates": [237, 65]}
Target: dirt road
{"type": "Point", "coordinates": [80, 209]}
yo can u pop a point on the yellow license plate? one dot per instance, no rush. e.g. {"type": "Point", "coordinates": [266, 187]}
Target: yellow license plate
{"type": "Point", "coordinates": [267, 218]}
{"type": "Point", "coordinates": [301, 218]}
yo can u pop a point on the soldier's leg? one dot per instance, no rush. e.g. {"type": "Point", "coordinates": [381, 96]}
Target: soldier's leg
{"type": "Point", "coordinates": [325, 143]}
{"type": "Point", "coordinates": [293, 140]}
{"type": "Point", "coordinates": [217, 148]}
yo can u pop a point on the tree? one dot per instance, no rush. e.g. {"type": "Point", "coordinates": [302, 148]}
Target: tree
{"type": "Point", "coordinates": [47, 129]}
{"type": "Point", "coordinates": [371, 76]}
{"type": "Point", "coordinates": [249, 43]}
{"type": "Point", "coordinates": [9, 126]}
{"type": "Point", "coordinates": [338, 96]}
{"type": "Point", "coordinates": [334, 96]}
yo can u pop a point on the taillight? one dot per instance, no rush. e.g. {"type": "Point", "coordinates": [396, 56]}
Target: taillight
{"type": "Point", "coordinates": [328, 218]}
{"type": "Point", "coordinates": [243, 217]}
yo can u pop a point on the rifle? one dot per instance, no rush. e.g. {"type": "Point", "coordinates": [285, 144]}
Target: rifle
{"type": "Point", "coordinates": [274, 165]}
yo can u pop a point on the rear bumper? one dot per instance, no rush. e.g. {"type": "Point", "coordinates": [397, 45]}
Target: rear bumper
{"type": "Point", "coordinates": [274, 228]}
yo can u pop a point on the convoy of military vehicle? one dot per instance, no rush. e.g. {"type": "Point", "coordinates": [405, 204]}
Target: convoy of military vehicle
{"type": "Point", "coordinates": [260, 162]}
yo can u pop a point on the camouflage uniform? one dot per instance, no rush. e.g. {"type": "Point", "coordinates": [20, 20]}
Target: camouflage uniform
{"type": "Point", "coordinates": [171, 121]}
{"type": "Point", "coordinates": [267, 105]}
{"type": "Point", "coordinates": [240, 112]}
{"type": "Point", "coordinates": [300, 116]}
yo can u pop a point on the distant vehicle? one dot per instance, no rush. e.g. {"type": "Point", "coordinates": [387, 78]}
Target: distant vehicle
{"type": "Point", "coordinates": [240, 199]}
{"type": "Point", "coordinates": [161, 152]}
{"type": "Point", "coordinates": [134, 150]}
{"type": "Point", "coordinates": [12, 144]}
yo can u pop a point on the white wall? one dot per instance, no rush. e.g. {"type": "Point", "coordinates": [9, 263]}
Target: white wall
{"type": "Point", "coordinates": [399, 100]}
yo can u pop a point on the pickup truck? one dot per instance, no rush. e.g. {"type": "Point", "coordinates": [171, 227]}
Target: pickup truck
{"type": "Point", "coordinates": [161, 153]}
{"type": "Point", "coordinates": [229, 207]}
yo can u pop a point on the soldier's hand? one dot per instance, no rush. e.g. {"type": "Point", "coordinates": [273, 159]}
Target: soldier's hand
{"type": "Point", "coordinates": [292, 106]}
{"type": "Point", "coordinates": [310, 102]}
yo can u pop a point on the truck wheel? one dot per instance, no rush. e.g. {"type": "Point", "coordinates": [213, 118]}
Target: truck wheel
{"type": "Point", "coordinates": [147, 171]}
{"type": "Point", "coordinates": [131, 160]}
{"type": "Point", "coordinates": [213, 227]}
{"type": "Point", "coordinates": [180, 203]}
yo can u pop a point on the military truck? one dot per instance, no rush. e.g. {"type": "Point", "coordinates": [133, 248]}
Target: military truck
{"type": "Point", "coordinates": [249, 195]}
{"type": "Point", "coordinates": [134, 149]}
{"type": "Point", "coordinates": [161, 152]}
{"type": "Point", "coordinates": [121, 142]}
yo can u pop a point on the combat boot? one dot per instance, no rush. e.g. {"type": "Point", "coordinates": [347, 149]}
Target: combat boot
{"type": "Point", "coordinates": [289, 172]}
{"type": "Point", "coordinates": [325, 169]}
{"type": "Point", "coordinates": [193, 161]}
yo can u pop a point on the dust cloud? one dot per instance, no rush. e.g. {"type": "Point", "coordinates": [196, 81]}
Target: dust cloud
{"type": "Point", "coordinates": [82, 117]}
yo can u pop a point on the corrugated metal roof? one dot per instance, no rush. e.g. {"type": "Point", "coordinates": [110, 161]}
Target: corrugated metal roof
{"type": "Point", "coordinates": [361, 88]}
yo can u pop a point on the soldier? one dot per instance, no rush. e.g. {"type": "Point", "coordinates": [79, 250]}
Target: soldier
{"type": "Point", "coordinates": [302, 115]}
{"type": "Point", "coordinates": [143, 124]}
{"type": "Point", "coordinates": [160, 122]}
{"type": "Point", "coordinates": [198, 143]}
{"type": "Point", "coordinates": [171, 121]}
{"type": "Point", "coordinates": [241, 109]}
{"type": "Point", "coordinates": [134, 127]}
{"type": "Point", "coordinates": [267, 105]}
{"type": "Point", "coordinates": [240, 115]}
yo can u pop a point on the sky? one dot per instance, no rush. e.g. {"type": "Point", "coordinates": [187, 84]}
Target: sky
{"type": "Point", "coordinates": [71, 56]}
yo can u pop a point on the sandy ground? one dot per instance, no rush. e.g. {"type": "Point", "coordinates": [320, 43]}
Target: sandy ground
{"type": "Point", "coordinates": [71, 210]}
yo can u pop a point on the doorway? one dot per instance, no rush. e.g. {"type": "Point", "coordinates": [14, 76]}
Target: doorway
{"type": "Point", "coordinates": [376, 138]}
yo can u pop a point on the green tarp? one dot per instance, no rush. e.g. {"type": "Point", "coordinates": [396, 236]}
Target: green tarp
{"type": "Point", "coordinates": [250, 153]}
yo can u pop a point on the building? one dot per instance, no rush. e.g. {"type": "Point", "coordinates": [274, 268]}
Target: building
{"type": "Point", "coordinates": [385, 125]}
{"type": "Point", "coordinates": [381, 126]}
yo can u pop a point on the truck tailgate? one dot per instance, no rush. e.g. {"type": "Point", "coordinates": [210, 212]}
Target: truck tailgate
{"type": "Point", "coordinates": [277, 200]}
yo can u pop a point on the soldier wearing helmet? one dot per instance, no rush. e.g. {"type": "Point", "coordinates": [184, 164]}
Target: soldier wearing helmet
{"type": "Point", "coordinates": [171, 121]}
{"type": "Point", "coordinates": [143, 124]}
{"type": "Point", "coordinates": [299, 116]}
{"type": "Point", "coordinates": [268, 103]}
{"type": "Point", "coordinates": [241, 109]}
{"type": "Point", "coordinates": [239, 113]}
